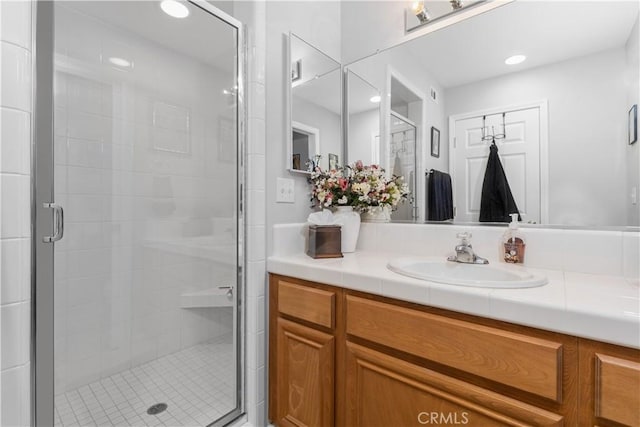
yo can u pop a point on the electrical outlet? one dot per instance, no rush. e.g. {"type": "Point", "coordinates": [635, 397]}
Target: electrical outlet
{"type": "Point", "coordinates": [284, 190]}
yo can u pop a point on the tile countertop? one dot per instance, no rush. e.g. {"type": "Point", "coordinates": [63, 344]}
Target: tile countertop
{"type": "Point", "coordinates": [600, 307]}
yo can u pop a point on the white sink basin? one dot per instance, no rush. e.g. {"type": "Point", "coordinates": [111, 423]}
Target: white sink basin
{"type": "Point", "coordinates": [478, 275]}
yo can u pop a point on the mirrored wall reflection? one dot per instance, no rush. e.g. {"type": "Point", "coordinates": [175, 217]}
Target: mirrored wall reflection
{"type": "Point", "coordinates": [315, 137]}
{"type": "Point", "coordinates": [565, 103]}
{"type": "Point", "coordinates": [146, 283]}
{"type": "Point", "coordinates": [402, 145]}
{"type": "Point", "coordinates": [363, 120]}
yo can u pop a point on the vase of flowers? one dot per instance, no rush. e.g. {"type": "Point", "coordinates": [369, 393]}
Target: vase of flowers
{"type": "Point", "coordinates": [376, 194]}
{"type": "Point", "coordinates": [332, 189]}
{"type": "Point", "coordinates": [355, 189]}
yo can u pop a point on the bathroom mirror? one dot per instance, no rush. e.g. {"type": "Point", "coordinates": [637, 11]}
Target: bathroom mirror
{"type": "Point", "coordinates": [560, 117]}
{"type": "Point", "coordinates": [363, 119]}
{"type": "Point", "coordinates": [315, 108]}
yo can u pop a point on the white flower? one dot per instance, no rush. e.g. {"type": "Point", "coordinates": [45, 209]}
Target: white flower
{"type": "Point", "coordinates": [362, 188]}
{"type": "Point", "coordinates": [342, 200]}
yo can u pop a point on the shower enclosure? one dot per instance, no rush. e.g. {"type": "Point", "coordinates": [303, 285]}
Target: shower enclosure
{"type": "Point", "coordinates": [402, 148]}
{"type": "Point", "coordinates": [138, 223]}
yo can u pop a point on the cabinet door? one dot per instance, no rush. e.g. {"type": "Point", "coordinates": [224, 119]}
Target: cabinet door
{"type": "Point", "coordinates": [305, 376]}
{"type": "Point", "coordinates": [382, 390]}
{"type": "Point", "coordinates": [610, 385]}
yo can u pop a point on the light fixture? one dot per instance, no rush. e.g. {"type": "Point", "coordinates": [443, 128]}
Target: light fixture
{"type": "Point", "coordinates": [120, 62]}
{"type": "Point", "coordinates": [420, 11]}
{"type": "Point", "coordinates": [174, 8]}
{"type": "Point", "coordinates": [515, 59]}
{"type": "Point", "coordinates": [375, 99]}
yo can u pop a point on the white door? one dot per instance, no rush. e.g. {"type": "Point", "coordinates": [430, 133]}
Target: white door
{"type": "Point", "coordinates": [519, 153]}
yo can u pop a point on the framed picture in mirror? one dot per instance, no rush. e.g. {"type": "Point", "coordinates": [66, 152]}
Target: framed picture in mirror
{"type": "Point", "coordinates": [333, 161]}
{"type": "Point", "coordinates": [633, 124]}
{"type": "Point", "coordinates": [435, 142]}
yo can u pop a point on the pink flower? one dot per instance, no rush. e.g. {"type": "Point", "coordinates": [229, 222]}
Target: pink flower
{"type": "Point", "coordinates": [359, 165]}
{"type": "Point", "coordinates": [344, 184]}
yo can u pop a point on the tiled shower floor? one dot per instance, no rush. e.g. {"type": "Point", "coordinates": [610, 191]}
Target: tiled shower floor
{"type": "Point", "coordinates": [197, 384]}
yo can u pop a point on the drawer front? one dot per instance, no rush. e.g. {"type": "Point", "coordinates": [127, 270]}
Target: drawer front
{"type": "Point", "coordinates": [617, 390]}
{"type": "Point", "coordinates": [526, 363]}
{"type": "Point", "coordinates": [382, 390]}
{"type": "Point", "coordinates": [307, 303]}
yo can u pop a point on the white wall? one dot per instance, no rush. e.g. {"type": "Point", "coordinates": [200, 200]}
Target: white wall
{"type": "Point", "coordinates": [363, 127]}
{"type": "Point", "coordinates": [318, 23]}
{"type": "Point", "coordinates": [327, 122]}
{"type": "Point", "coordinates": [632, 152]}
{"type": "Point", "coordinates": [586, 138]}
{"type": "Point", "coordinates": [15, 243]}
{"type": "Point", "coordinates": [368, 26]}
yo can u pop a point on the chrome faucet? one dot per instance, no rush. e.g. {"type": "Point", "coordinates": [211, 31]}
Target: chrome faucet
{"type": "Point", "coordinates": [464, 251]}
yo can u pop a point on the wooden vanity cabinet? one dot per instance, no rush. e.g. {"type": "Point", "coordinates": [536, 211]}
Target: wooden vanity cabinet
{"type": "Point", "coordinates": [347, 358]}
{"type": "Point", "coordinates": [609, 385]}
{"type": "Point", "coordinates": [302, 352]}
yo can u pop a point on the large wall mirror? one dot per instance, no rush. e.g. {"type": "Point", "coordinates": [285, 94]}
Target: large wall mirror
{"type": "Point", "coordinates": [560, 119]}
{"type": "Point", "coordinates": [315, 101]}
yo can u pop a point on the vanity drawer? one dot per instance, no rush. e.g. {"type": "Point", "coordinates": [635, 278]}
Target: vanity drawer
{"type": "Point", "coordinates": [524, 362]}
{"type": "Point", "coordinates": [307, 303]}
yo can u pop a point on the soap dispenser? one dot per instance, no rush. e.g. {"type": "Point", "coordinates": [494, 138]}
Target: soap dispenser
{"type": "Point", "coordinates": [513, 242]}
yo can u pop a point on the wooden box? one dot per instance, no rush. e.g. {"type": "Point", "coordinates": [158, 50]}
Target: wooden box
{"type": "Point", "coordinates": [325, 241]}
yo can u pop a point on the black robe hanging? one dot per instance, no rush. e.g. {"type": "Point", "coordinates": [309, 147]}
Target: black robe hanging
{"type": "Point", "coordinates": [497, 201]}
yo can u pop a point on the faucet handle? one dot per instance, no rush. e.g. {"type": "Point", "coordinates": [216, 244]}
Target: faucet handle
{"type": "Point", "coordinates": [464, 237]}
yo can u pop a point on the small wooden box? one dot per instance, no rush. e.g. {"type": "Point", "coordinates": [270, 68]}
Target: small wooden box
{"type": "Point", "coordinates": [325, 241]}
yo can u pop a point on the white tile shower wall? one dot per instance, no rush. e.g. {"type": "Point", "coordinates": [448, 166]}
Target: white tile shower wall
{"type": "Point", "coordinates": [142, 224]}
{"type": "Point", "coordinates": [612, 253]}
{"type": "Point", "coordinates": [253, 14]}
{"type": "Point", "coordinates": [15, 242]}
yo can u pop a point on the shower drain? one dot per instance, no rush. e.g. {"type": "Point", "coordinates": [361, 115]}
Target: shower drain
{"type": "Point", "coordinates": [157, 408]}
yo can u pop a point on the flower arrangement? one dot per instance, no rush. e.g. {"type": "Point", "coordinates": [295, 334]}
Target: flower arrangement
{"type": "Point", "coordinates": [356, 185]}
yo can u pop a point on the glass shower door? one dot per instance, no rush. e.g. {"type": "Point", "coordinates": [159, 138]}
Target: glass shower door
{"type": "Point", "coordinates": [402, 143]}
{"type": "Point", "coordinates": [146, 290]}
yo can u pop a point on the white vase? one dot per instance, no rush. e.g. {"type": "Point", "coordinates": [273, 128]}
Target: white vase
{"type": "Point", "coordinates": [350, 222]}
{"type": "Point", "coordinates": [377, 214]}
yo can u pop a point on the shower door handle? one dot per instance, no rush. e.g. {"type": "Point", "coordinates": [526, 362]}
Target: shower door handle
{"type": "Point", "coordinates": [58, 223]}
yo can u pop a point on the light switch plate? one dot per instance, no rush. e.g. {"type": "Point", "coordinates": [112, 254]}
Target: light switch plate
{"type": "Point", "coordinates": [284, 190]}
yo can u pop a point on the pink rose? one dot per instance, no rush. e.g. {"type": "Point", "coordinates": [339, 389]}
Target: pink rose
{"type": "Point", "coordinates": [343, 184]}
{"type": "Point", "coordinates": [359, 165]}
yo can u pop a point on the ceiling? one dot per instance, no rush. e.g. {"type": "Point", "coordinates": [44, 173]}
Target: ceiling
{"type": "Point", "coordinates": [200, 36]}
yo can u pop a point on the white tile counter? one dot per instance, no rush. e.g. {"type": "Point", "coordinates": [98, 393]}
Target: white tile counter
{"type": "Point", "coordinates": [602, 307]}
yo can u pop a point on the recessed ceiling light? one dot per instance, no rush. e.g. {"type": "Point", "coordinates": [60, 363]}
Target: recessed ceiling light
{"type": "Point", "coordinates": [119, 62]}
{"type": "Point", "coordinates": [375, 99]}
{"type": "Point", "coordinates": [515, 59]}
{"type": "Point", "coordinates": [174, 8]}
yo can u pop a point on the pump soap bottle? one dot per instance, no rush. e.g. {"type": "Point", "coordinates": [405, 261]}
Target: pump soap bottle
{"type": "Point", "coordinates": [513, 242]}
